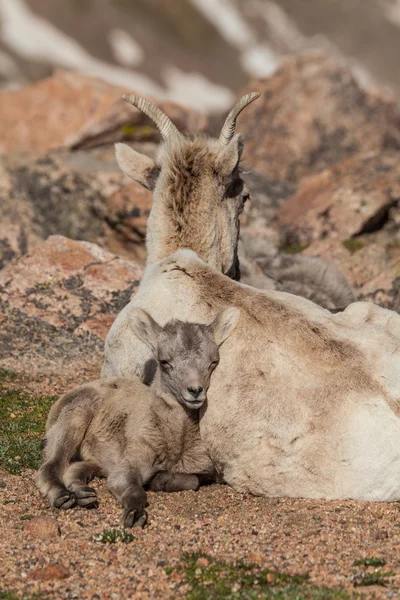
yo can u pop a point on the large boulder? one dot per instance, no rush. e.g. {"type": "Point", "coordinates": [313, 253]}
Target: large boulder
{"type": "Point", "coordinates": [325, 156]}
{"type": "Point", "coordinates": [58, 302]}
{"type": "Point", "coordinates": [348, 199]}
{"type": "Point", "coordinates": [82, 195]}
{"type": "Point", "coordinates": [69, 109]}
{"type": "Point", "coordinates": [350, 214]}
{"type": "Point", "coordinates": [312, 114]}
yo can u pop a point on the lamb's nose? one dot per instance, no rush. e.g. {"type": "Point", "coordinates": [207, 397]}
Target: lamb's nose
{"type": "Point", "coordinates": [195, 391]}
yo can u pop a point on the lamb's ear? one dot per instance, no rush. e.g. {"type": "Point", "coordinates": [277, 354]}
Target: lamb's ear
{"type": "Point", "coordinates": [145, 328]}
{"type": "Point", "coordinates": [138, 166]}
{"type": "Point", "coordinates": [224, 323]}
{"type": "Point", "coordinates": [230, 155]}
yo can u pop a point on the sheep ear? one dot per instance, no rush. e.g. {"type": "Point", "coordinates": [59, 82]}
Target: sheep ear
{"type": "Point", "coordinates": [145, 328]}
{"type": "Point", "coordinates": [224, 323]}
{"type": "Point", "coordinates": [230, 155]}
{"type": "Point", "coordinates": [137, 166]}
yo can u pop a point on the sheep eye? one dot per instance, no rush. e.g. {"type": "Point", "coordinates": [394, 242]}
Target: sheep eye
{"type": "Point", "coordinates": [214, 364]}
{"type": "Point", "coordinates": [235, 188]}
{"type": "Point", "coordinates": [165, 364]}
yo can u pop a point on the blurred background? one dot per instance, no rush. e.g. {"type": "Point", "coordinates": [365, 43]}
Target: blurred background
{"type": "Point", "coordinates": [196, 52]}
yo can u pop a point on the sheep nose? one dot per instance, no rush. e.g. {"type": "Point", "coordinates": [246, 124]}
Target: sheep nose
{"type": "Point", "coordinates": [195, 391]}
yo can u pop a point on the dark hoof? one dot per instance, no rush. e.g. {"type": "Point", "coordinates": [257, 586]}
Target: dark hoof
{"type": "Point", "coordinates": [86, 496]}
{"type": "Point", "coordinates": [64, 500]}
{"type": "Point", "coordinates": [133, 518]}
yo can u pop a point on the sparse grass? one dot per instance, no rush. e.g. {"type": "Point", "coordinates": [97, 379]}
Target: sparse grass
{"type": "Point", "coordinates": [7, 374]}
{"type": "Point", "coordinates": [22, 424]}
{"type": "Point", "coordinates": [216, 579]}
{"type": "Point", "coordinates": [373, 561]}
{"type": "Point", "coordinates": [294, 248]}
{"type": "Point", "coordinates": [112, 536]}
{"type": "Point", "coordinates": [377, 577]}
{"type": "Point", "coordinates": [353, 244]}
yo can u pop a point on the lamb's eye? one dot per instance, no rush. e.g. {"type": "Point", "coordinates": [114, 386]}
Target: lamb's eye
{"type": "Point", "coordinates": [214, 364]}
{"type": "Point", "coordinates": [165, 364]}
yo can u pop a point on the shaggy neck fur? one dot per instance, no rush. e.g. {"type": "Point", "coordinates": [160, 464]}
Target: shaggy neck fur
{"type": "Point", "coordinates": [186, 212]}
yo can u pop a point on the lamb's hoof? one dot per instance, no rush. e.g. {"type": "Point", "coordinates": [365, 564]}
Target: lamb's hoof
{"type": "Point", "coordinates": [134, 518]}
{"type": "Point", "coordinates": [64, 500]}
{"type": "Point", "coordinates": [86, 496]}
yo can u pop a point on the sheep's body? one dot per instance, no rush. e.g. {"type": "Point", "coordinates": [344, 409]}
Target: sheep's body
{"type": "Point", "coordinates": [304, 403]}
{"type": "Point", "coordinates": [133, 434]}
{"type": "Point", "coordinates": [122, 430]}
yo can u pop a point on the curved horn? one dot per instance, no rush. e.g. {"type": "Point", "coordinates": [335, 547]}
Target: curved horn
{"type": "Point", "coordinates": [229, 126]}
{"type": "Point", "coordinates": [162, 122]}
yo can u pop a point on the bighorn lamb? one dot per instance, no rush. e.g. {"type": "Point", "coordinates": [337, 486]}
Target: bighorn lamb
{"type": "Point", "coordinates": [304, 402]}
{"type": "Point", "coordinates": [133, 434]}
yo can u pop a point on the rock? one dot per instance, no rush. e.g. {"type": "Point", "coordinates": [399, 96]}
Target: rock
{"type": "Point", "coordinates": [349, 214]}
{"type": "Point", "coordinates": [256, 558]}
{"type": "Point", "coordinates": [350, 198]}
{"type": "Point", "coordinates": [125, 122]}
{"type": "Point", "coordinates": [58, 302]}
{"type": "Point", "coordinates": [54, 571]}
{"type": "Point", "coordinates": [126, 214]}
{"type": "Point", "coordinates": [82, 195]}
{"type": "Point", "coordinates": [202, 561]}
{"type": "Point", "coordinates": [46, 114]}
{"type": "Point", "coordinates": [73, 110]}
{"type": "Point", "coordinates": [42, 527]}
{"type": "Point", "coordinates": [13, 242]}
{"type": "Point", "coordinates": [312, 114]}
{"type": "Point", "coordinates": [372, 268]}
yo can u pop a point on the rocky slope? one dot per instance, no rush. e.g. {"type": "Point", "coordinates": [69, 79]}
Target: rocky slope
{"type": "Point", "coordinates": [322, 154]}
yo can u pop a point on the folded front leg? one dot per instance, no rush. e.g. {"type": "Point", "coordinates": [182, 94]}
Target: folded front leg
{"type": "Point", "coordinates": [125, 484]}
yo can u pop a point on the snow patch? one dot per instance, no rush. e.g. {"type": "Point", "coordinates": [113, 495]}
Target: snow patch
{"type": "Point", "coordinates": [196, 90]}
{"type": "Point", "coordinates": [36, 39]}
{"type": "Point", "coordinates": [260, 61]}
{"type": "Point", "coordinates": [125, 49]}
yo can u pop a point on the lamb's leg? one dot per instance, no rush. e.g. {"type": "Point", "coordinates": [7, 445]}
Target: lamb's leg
{"type": "Point", "coordinates": [76, 478]}
{"type": "Point", "coordinates": [126, 486]}
{"type": "Point", "coordinates": [50, 484]}
{"type": "Point", "coordinates": [177, 482]}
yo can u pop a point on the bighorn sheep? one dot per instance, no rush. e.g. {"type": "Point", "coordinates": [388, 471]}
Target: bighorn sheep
{"type": "Point", "coordinates": [304, 403]}
{"type": "Point", "coordinates": [134, 434]}
{"type": "Point", "coordinates": [198, 195]}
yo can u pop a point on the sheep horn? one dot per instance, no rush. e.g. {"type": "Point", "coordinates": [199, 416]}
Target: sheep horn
{"type": "Point", "coordinates": [229, 126]}
{"type": "Point", "coordinates": [162, 122]}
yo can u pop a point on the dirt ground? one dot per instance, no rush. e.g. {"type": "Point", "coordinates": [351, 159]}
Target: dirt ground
{"type": "Point", "coordinates": [253, 547]}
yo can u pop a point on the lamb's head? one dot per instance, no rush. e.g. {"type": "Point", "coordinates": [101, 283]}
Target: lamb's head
{"type": "Point", "coordinates": [198, 193]}
{"type": "Point", "coordinates": [186, 353]}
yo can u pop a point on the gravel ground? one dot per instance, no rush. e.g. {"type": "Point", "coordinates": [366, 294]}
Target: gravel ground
{"type": "Point", "coordinates": [322, 539]}
{"type": "Point", "coordinates": [58, 557]}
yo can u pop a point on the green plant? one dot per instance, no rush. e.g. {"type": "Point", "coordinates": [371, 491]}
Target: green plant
{"type": "Point", "coordinates": [112, 536]}
{"type": "Point", "coordinates": [370, 562]}
{"type": "Point", "coordinates": [210, 579]}
{"type": "Point", "coordinates": [353, 244]}
{"type": "Point", "coordinates": [22, 424]}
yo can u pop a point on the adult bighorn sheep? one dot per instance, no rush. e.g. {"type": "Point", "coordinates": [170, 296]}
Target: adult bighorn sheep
{"type": "Point", "coordinates": [304, 403]}
{"type": "Point", "coordinates": [198, 195]}
{"type": "Point", "coordinates": [133, 434]}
